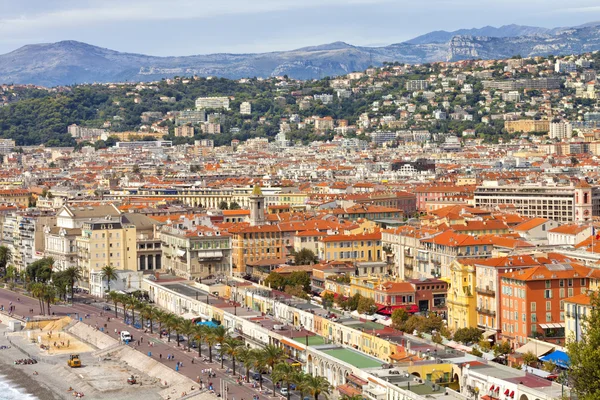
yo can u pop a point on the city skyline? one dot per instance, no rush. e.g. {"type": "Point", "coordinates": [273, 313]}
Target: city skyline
{"type": "Point", "coordinates": [241, 27]}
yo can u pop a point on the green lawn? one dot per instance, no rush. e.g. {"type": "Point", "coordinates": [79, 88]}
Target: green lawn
{"type": "Point", "coordinates": [312, 340]}
{"type": "Point", "coordinates": [353, 358]}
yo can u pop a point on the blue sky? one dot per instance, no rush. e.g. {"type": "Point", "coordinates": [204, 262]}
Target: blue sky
{"type": "Point", "coordinates": [184, 27]}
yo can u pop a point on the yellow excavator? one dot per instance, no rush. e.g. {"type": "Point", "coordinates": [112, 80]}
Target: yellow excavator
{"type": "Point", "coordinates": [74, 361]}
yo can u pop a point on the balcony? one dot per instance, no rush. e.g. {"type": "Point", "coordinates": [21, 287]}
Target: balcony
{"type": "Point", "coordinates": [485, 311]}
{"type": "Point", "coordinates": [486, 291]}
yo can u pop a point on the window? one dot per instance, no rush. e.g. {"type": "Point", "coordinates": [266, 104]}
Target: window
{"type": "Point", "coordinates": [570, 282]}
{"type": "Point", "coordinates": [533, 306]}
{"type": "Point", "coordinates": [533, 318]}
{"type": "Point", "coordinates": [561, 293]}
{"type": "Point", "coordinates": [548, 317]}
{"type": "Point", "coordinates": [570, 291]}
{"type": "Point", "coordinates": [561, 283]}
{"type": "Point", "coordinates": [562, 316]}
{"type": "Point", "coordinates": [548, 285]}
{"type": "Point", "coordinates": [582, 281]}
{"type": "Point", "coordinates": [548, 305]}
{"type": "Point", "coordinates": [548, 293]}
{"type": "Point", "coordinates": [562, 305]}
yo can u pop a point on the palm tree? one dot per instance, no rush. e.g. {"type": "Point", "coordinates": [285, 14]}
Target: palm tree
{"type": "Point", "coordinates": [273, 355]}
{"type": "Point", "coordinates": [37, 290]}
{"type": "Point", "coordinates": [139, 307]}
{"type": "Point", "coordinates": [73, 274]}
{"type": "Point", "coordinates": [146, 311]}
{"type": "Point", "coordinates": [316, 385]}
{"type": "Point", "coordinates": [5, 255]}
{"type": "Point", "coordinates": [124, 300]}
{"type": "Point", "coordinates": [200, 333]}
{"type": "Point", "coordinates": [259, 364]}
{"type": "Point", "coordinates": [211, 340]}
{"type": "Point", "coordinates": [285, 373]}
{"type": "Point", "coordinates": [49, 295]}
{"type": "Point", "coordinates": [109, 273]}
{"type": "Point", "coordinates": [188, 328]}
{"type": "Point", "coordinates": [153, 316]}
{"type": "Point", "coordinates": [115, 298]}
{"type": "Point", "coordinates": [300, 381]}
{"type": "Point", "coordinates": [178, 328]}
{"type": "Point", "coordinates": [159, 315]}
{"type": "Point", "coordinates": [246, 357]}
{"type": "Point", "coordinates": [220, 333]}
{"type": "Point", "coordinates": [232, 347]}
{"type": "Point", "coordinates": [170, 322]}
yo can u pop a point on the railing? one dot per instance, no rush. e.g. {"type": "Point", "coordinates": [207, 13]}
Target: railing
{"type": "Point", "coordinates": [485, 290]}
{"type": "Point", "coordinates": [486, 311]}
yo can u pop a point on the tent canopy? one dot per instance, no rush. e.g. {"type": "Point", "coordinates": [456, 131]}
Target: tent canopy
{"type": "Point", "coordinates": [558, 357]}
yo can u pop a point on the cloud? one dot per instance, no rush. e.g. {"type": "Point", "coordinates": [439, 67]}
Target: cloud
{"type": "Point", "coordinates": [155, 10]}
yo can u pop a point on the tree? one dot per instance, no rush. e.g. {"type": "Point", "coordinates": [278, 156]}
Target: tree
{"type": "Point", "coordinates": [114, 297]}
{"type": "Point", "coordinates": [223, 205]}
{"type": "Point", "coordinates": [501, 348]}
{"type": "Point", "coordinates": [328, 299]}
{"type": "Point", "coordinates": [73, 274]}
{"type": "Point", "coordinates": [232, 348]}
{"type": "Point", "coordinates": [40, 270]}
{"type": "Point", "coordinates": [211, 340]}
{"type": "Point", "coordinates": [259, 364]}
{"type": "Point", "coordinates": [529, 358]}
{"type": "Point", "coordinates": [399, 318]}
{"type": "Point", "coordinates": [220, 334]}
{"type": "Point", "coordinates": [5, 255]}
{"type": "Point", "coordinates": [272, 356]}
{"type": "Point", "coordinates": [305, 257]}
{"type": "Point", "coordinates": [246, 356]}
{"type": "Point", "coordinates": [37, 291]}
{"type": "Point", "coordinates": [366, 305]}
{"type": "Point", "coordinates": [234, 206]}
{"type": "Point", "coordinates": [11, 273]}
{"type": "Point", "coordinates": [285, 373]}
{"type": "Point", "coordinates": [170, 322]}
{"type": "Point", "coordinates": [188, 328]}
{"type": "Point", "coordinates": [49, 296]}
{"type": "Point", "coordinates": [584, 354]}
{"type": "Point", "coordinates": [109, 273]}
{"type": "Point", "coordinates": [200, 332]}
{"type": "Point", "coordinates": [467, 335]}
{"type": "Point", "coordinates": [549, 366]}
{"type": "Point", "coordinates": [316, 385]}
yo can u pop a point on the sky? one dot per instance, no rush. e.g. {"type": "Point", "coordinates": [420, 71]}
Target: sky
{"type": "Point", "coordinates": [186, 27]}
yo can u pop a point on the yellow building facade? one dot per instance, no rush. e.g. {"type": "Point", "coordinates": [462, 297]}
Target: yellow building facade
{"type": "Point", "coordinates": [106, 242]}
{"type": "Point", "coordinates": [461, 300]}
{"type": "Point", "coordinates": [364, 247]}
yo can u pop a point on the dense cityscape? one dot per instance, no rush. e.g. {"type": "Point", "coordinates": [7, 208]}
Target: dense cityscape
{"type": "Point", "coordinates": [405, 232]}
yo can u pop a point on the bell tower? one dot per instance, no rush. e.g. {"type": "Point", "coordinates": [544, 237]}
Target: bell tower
{"type": "Point", "coordinates": [583, 202]}
{"type": "Point", "coordinates": [257, 207]}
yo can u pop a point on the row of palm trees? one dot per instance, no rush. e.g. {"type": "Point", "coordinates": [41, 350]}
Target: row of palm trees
{"type": "Point", "coordinates": [270, 358]}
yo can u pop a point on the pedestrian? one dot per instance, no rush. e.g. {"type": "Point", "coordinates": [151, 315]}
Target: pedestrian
{"type": "Point", "coordinates": [192, 360]}
{"type": "Point", "coordinates": [160, 356]}
{"type": "Point", "coordinates": [115, 331]}
{"type": "Point", "coordinates": [142, 339]}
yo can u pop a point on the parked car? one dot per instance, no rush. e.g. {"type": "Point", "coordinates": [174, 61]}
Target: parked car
{"type": "Point", "coordinates": [126, 336]}
{"type": "Point", "coordinates": [256, 376]}
{"type": "Point", "coordinates": [218, 346]}
{"type": "Point", "coordinates": [284, 391]}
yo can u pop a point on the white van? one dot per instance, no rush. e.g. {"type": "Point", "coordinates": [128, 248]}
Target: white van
{"type": "Point", "coordinates": [126, 336]}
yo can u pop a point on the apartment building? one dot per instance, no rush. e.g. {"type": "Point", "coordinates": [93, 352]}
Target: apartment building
{"type": "Point", "coordinates": [560, 130]}
{"type": "Point", "coordinates": [106, 241]}
{"type": "Point", "coordinates": [461, 299]}
{"type": "Point", "coordinates": [196, 252]}
{"type": "Point", "coordinates": [417, 85]}
{"type": "Point", "coordinates": [527, 125]}
{"type": "Point", "coordinates": [533, 300]}
{"type": "Point", "coordinates": [363, 247]}
{"type": "Point", "coordinates": [578, 309]}
{"type": "Point", "coordinates": [184, 131]}
{"type": "Point", "coordinates": [191, 117]}
{"type": "Point", "coordinates": [564, 204]}
{"type": "Point", "coordinates": [18, 197]}
{"type": "Point", "coordinates": [212, 102]}
{"type": "Point", "coordinates": [246, 108]}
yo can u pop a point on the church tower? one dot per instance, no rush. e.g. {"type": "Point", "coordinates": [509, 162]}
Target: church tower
{"type": "Point", "coordinates": [583, 202]}
{"type": "Point", "coordinates": [257, 207]}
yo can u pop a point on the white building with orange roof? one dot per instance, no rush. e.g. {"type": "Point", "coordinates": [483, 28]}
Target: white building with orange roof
{"type": "Point", "coordinates": [570, 234]}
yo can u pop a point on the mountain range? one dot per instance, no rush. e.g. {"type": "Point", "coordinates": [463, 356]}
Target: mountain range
{"type": "Point", "coordinates": [71, 62]}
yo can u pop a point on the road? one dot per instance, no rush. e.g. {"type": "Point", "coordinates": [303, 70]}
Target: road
{"type": "Point", "coordinates": [93, 315]}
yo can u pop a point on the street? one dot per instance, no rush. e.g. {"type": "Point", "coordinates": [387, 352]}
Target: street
{"type": "Point", "coordinates": [93, 315]}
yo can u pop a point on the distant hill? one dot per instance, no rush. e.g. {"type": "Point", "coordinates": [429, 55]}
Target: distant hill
{"type": "Point", "coordinates": [71, 62]}
{"type": "Point", "coordinates": [491, 31]}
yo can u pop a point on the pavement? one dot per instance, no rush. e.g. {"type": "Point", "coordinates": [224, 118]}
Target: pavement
{"type": "Point", "coordinates": [93, 315]}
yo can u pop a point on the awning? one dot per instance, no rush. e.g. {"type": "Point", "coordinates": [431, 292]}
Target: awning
{"type": "Point", "coordinates": [388, 310]}
{"type": "Point", "coordinates": [210, 254]}
{"type": "Point", "coordinates": [512, 394]}
{"type": "Point", "coordinates": [355, 379]}
{"type": "Point", "coordinates": [506, 392]}
{"type": "Point", "coordinates": [552, 326]}
{"type": "Point", "coordinates": [180, 253]}
{"type": "Point", "coordinates": [537, 348]}
{"type": "Point", "coordinates": [488, 334]}
{"type": "Point", "coordinates": [558, 357]}
{"type": "Point", "coordinates": [292, 344]}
